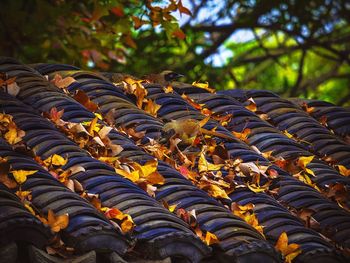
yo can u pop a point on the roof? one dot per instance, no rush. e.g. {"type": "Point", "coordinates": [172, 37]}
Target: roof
{"type": "Point", "coordinates": [100, 171]}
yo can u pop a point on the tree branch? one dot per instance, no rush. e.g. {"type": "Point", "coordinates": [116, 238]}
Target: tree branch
{"type": "Point", "coordinates": [294, 89]}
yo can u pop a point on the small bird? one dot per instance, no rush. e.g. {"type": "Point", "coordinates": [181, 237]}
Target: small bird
{"type": "Point", "coordinates": [164, 78]}
{"type": "Point", "coordinates": [188, 129]}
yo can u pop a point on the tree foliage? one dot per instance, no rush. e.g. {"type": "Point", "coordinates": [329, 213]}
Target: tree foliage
{"type": "Point", "coordinates": [295, 48]}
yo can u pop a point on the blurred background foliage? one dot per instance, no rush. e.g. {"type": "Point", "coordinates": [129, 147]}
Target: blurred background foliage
{"type": "Point", "coordinates": [292, 47]}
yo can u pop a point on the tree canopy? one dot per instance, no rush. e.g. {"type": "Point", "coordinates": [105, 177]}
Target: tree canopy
{"type": "Point", "coordinates": [294, 48]}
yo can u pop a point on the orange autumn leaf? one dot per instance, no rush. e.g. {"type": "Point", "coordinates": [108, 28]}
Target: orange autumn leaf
{"type": "Point", "coordinates": [114, 213]}
{"type": "Point", "coordinates": [252, 105]}
{"type": "Point", "coordinates": [56, 115]}
{"type": "Point", "coordinates": [4, 171]}
{"type": "Point", "coordinates": [242, 135]}
{"type": "Point", "coordinates": [168, 89]}
{"type": "Point", "coordinates": [239, 210]}
{"type": "Point", "coordinates": [21, 175]}
{"type": "Point", "coordinates": [127, 224]}
{"type": "Point", "coordinates": [323, 120]}
{"type": "Point", "coordinates": [182, 9]}
{"type": "Point", "coordinates": [210, 238]}
{"type": "Point", "coordinates": [148, 172]}
{"type": "Point", "coordinates": [187, 173]}
{"type": "Point", "coordinates": [118, 11]}
{"type": "Point", "coordinates": [343, 170]}
{"type": "Point", "coordinates": [57, 222]}
{"type": "Point", "coordinates": [23, 195]}
{"type": "Point", "coordinates": [192, 102]}
{"type": "Point", "coordinates": [289, 251]}
{"type": "Point", "coordinates": [135, 87]}
{"type": "Point", "coordinates": [179, 34]}
{"type": "Point", "coordinates": [152, 107]}
{"type": "Point", "coordinates": [83, 99]}
{"type": "Point", "coordinates": [62, 83]}
{"type": "Point", "coordinates": [307, 108]}
{"type": "Point", "coordinates": [138, 22]}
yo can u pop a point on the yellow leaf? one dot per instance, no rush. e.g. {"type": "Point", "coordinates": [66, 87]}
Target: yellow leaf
{"type": "Point", "coordinates": [109, 160]}
{"type": "Point", "coordinates": [55, 160]}
{"type": "Point", "coordinates": [148, 172]}
{"type": "Point", "coordinates": [290, 136]}
{"type": "Point", "coordinates": [217, 192]}
{"type": "Point", "coordinates": [21, 175]}
{"type": "Point", "coordinates": [99, 116]}
{"type": "Point", "coordinates": [343, 170]}
{"type": "Point", "coordinates": [152, 107]}
{"type": "Point", "coordinates": [134, 176]}
{"type": "Point", "coordinates": [57, 222]}
{"type": "Point", "coordinates": [204, 165]}
{"type": "Point", "coordinates": [289, 251]}
{"type": "Point", "coordinates": [13, 135]}
{"type": "Point", "coordinates": [203, 86]}
{"type": "Point", "coordinates": [211, 238]}
{"type": "Point", "coordinates": [257, 189]}
{"type": "Point", "coordinates": [303, 161]}
{"type": "Point", "coordinates": [94, 126]}
{"type": "Point", "coordinates": [291, 256]}
{"type": "Point", "coordinates": [309, 171]}
{"type": "Point", "coordinates": [204, 121]}
{"type": "Point", "coordinates": [29, 208]}
{"type": "Point", "coordinates": [23, 195]}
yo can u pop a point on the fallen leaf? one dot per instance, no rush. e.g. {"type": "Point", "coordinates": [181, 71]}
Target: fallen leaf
{"type": "Point", "coordinates": [242, 135]}
{"type": "Point", "coordinates": [135, 87]}
{"type": "Point", "coordinates": [289, 251]}
{"type": "Point", "coordinates": [152, 107]}
{"type": "Point", "coordinates": [210, 238]}
{"type": "Point", "coordinates": [171, 208]}
{"type": "Point", "coordinates": [290, 136]}
{"type": "Point", "coordinates": [204, 86]}
{"type": "Point", "coordinates": [303, 161]}
{"type": "Point", "coordinates": [62, 83]}
{"type": "Point", "coordinates": [217, 192]}
{"type": "Point", "coordinates": [14, 135]}
{"type": "Point", "coordinates": [56, 116]}
{"type": "Point", "coordinates": [23, 195]}
{"type": "Point", "coordinates": [258, 189]}
{"type": "Point", "coordinates": [205, 166]}
{"type": "Point", "coordinates": [57, 222]}
{"type": "Point", "coordinates": [308, 109]}
{"type": "Point", "coordinates": [55, 160]}
{"type": "Point", "coordinates": [252, 105]}
{"type": "Point", "coordinates": [192, 102]}
{"type": "Point", "coordinates": [83, 99]}
{"type": "Point", "coordinates": [21, 175]}
{"type": "Point", "coordinates": [343, 170]}
{"type": "Point", "coordinates": [4, 172]}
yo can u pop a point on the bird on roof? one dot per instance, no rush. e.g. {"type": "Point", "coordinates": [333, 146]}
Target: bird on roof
{"type": "Point", "coordinates": [164, 78]}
